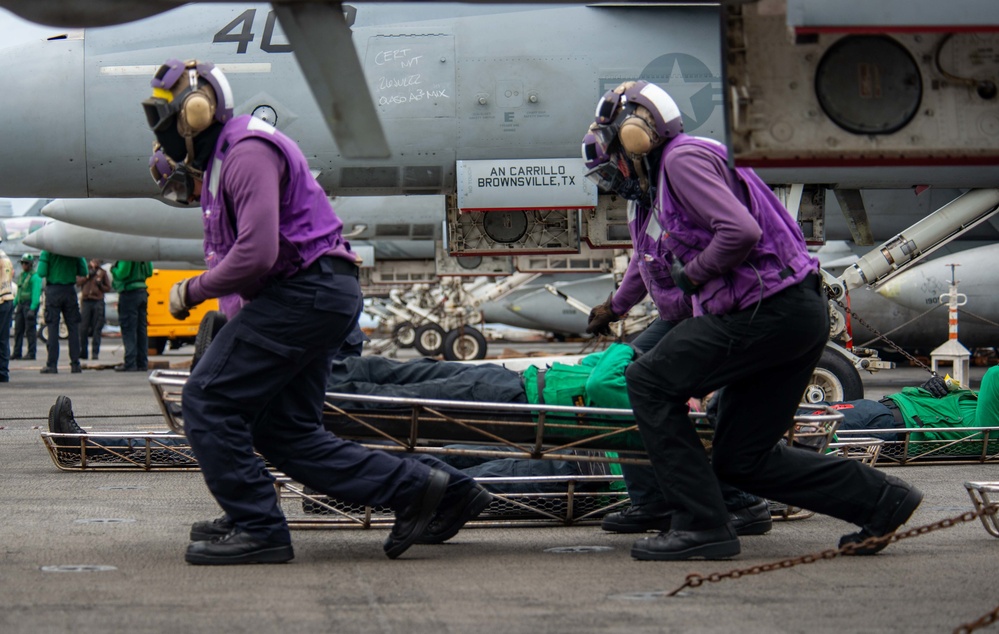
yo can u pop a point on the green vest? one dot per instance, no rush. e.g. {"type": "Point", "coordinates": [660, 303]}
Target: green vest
{"type": "Point", "coordinates": [596, 381]}
{"type": "Point", "coordinates": [920, 410]}
{"type": "Point", "coordinates": [29, 290]}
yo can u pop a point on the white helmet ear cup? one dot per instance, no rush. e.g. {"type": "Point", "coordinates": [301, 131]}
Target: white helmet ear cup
{"type": "Point", "coordinates": [196, 114]}
{"type": "Point", "coordinates": [636, 136]}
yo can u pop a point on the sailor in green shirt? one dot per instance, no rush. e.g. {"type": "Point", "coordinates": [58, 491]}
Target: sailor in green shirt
{"type": "Point", "coordinates": [59, 273]}
{"type": "Point", "coordinates": [29, 296]}
{"type": "Point", "coordinates": [937, 409]}
{"type": "Point", "coordinates": [129, 279]}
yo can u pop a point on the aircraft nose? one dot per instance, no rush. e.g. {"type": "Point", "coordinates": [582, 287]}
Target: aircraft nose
{"type": "Point", "coordinates": [43, 136]}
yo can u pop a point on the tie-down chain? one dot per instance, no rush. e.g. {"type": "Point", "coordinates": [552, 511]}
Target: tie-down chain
{"type": "Point", "coordinates": [694, 580]}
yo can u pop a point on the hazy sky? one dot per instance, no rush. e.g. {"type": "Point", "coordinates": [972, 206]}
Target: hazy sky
{"type": "Point", "coordinates": [14, 30]}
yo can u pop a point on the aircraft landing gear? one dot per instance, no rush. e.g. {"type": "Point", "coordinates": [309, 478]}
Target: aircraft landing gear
{"type": "Point", "coordinates": [210, 324]}
{"type": "Point", "coordinates": [429, 340]}
{"type": "Point", "coordinates": [404, 334]}
{"type": "Point", "coordinates": [465, 343]}
{"type": "Point", "coordinates": [834, 379]}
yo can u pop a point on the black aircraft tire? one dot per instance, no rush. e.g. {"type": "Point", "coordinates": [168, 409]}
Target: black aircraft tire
{"type": "Point", "coordinates": [834, 379]}
{"type": "Point", "coordinates": [210, 325]}
{"type": "Point", "coordinates": [429, 340]}
{"type": "Point", "coordinates": [465, 344]}
{"type": "Point", "coordinates": [157, 344]}
{"type": "Point", "coordinates": [404, 334]}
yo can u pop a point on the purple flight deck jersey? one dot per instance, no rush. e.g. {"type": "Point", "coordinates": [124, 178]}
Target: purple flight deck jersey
{"type": "Point", "coordinates": [649, 270]}
{"type": "Point", "coordinates": [735, 239]}
{"type": "Point", "coordinates": [265, 217]}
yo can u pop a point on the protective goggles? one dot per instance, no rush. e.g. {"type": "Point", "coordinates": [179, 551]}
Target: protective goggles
{"type": "Point", "coordinates": [176, 182]}
{"type": "Point", "coordinates": [607, 107]}
{"type": "Point", "coordinates": [164, 103]}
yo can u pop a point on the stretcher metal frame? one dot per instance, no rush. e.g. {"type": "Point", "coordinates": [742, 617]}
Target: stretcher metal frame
{"type": "Point", "coordinates": [499, 430]}
{"type": "Point", "coordinates": [584, 501]}
{"type": "Point", "coordinates": [100, 451]}
{"type": "Point", "coordinates": [976, 445]}
{"type": "Point", "coordinates": [980, 498]}
{"type": "Point", "coordinates": [529, 431]}
{"type": "Point", "coordinates": [540, 429]}
{"type": "Point", "coordinates": [412, 419]}
{"type": "Point", "coordinates": [866, 450]}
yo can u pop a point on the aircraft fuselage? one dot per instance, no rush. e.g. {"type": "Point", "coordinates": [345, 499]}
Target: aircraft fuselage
{"type": "Point", "coordinates": [450, 82]}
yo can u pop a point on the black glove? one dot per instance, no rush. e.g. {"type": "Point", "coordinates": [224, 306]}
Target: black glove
{"type": "Point", "coordinates": [601, 317]}
{"type": "Point", "coordinates": [680, 278]}
{"type": "Point", "coordinates": [936, 387]}
{"type": "Point", "coordinates": [31, 315]}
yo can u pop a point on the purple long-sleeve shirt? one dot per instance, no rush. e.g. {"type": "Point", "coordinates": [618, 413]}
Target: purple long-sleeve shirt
{"type": "Point", "coordinates": [717, 201]}
{"type": "Point", "coordinates": [252, 172]}
{"type": "Point", "coordinates": [631, 290]}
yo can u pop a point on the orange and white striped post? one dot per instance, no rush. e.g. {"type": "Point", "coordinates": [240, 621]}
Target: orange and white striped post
{"type": "Point", "coordinates": [953, 351]}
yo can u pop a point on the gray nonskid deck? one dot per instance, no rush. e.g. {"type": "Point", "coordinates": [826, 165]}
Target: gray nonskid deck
{"type": "Point", "coordinates": [487, 580]}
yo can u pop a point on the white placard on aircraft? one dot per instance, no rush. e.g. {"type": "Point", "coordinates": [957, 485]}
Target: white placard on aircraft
{"type": "Point", "coordinates": [524, 184]}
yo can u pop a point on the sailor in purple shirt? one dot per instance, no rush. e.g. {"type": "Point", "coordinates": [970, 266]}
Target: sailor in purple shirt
{"type": "Point", "coordinates": [759, 327]}
{"type": "Point", "coordinates": [648, 273]}
{"type": "Point", "coordinates": [274, 246]}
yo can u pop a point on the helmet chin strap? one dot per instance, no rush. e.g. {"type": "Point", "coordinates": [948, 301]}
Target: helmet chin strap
{"type": "Point", "coordinates": [189, 144]}
{"type": "Point", "coordinates": [643, 176]}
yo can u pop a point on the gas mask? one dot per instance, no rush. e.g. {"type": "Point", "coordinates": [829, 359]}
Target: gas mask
{"type": "Point", "coordinates": [621, 176]}
{"type": "Point", "coordinates": [175, 180]}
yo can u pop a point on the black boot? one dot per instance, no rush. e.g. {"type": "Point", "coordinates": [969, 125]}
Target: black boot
{"type": "Point", "coordinates": [411, 522]}
{"type": "Point", "coordinates": [754, 519]}
{"type": "Point", "coordinates": [238, 547]}
{"type": "Point", "coordinates": [638, 518]}
{"type": "Point", "coordinates": [205, 530]}
{"type": "Point", "coordinates": [715, 543]}
{"type": "Point", "coordinates": [61, 419]}
{"type": "Point", "coordinates": [897, 502]}
{"type": "Point", "coordinates": [446, 522]}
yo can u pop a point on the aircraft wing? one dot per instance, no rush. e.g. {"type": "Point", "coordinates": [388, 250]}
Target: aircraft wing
{"type": "Point", "coordinates": [319, 33]}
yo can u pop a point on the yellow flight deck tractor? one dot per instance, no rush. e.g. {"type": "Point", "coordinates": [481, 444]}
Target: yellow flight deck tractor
{"type": "Point", "coordinates": [162, 327]}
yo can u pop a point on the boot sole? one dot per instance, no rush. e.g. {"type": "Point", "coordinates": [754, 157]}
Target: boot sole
{"type": "Point", "coordinates": [761, 527]}
{"type": "Point", "coordinates": [276, 555]}
{"type": "Point", "coordinates": [615, 527]}
{"type": "Point", "coordinates": [716, 550]}
{"type": "Point", "coordinates": [54, 413]}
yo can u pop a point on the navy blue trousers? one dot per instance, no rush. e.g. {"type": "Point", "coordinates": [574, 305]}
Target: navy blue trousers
{"type": "Point", "coordinates": [25, 328]}
{"type": "Point", "coordinates": [61, 302]}
{"type": "Point", "coordinates": [6, 309]}
{"type": "Point", "coordinates": [91, 325]}
{"type": "Point", "coordinates": [261, 385]}
{"type": "Point", "coordinates": [763, 357]}
{"type": "Point", "coordinates": [133, 318]}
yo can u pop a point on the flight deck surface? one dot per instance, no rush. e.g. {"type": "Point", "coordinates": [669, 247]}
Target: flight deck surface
{"type": "Point", "coordinates": [103, 551]}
